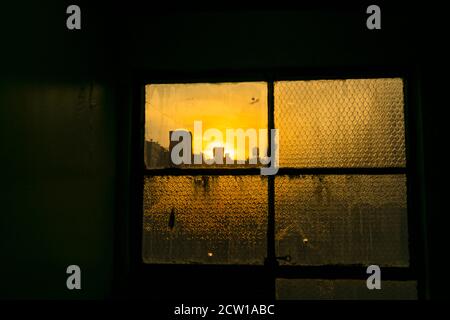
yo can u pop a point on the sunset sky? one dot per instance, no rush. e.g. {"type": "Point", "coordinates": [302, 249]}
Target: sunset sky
{"type": "Point", "coordinates": [221, 106]}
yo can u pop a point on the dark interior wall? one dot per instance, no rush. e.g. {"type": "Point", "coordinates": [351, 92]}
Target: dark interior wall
{"type": "Point", "coordinates": [58, 137]}
{"type": "Point", "coordinates": [65, 108]}
{"type": "Point", "coordinates": [266, 40]}
{"type": "Point", "coordinates": [57, 188]}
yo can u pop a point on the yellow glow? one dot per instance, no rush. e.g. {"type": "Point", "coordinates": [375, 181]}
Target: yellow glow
{"type": "Point", "coordinates": [208, 151]}
{"type": "Point", "coordinates": [220, 105]}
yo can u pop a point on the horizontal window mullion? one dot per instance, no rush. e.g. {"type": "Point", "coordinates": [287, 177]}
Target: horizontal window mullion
{"type": "Point", "coordinates": [343, 272]}
{"type": "Point", "coordinates": [344, 171]}
{"type": "Point", "coordinates": [200, 172]}
{"type": "Point", "coordinates": [281, 171]}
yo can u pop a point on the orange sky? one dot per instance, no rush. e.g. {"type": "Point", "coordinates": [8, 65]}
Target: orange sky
{"type": "Point", "coordinates": [221, 106]}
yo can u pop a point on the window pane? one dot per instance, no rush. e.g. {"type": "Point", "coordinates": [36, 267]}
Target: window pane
{"type": "Point", "coordinates": [221, 106]}
{"type": "Point", "coordinates": [205, 219]}
{"type": "Point", "coordinates": [342, 219]}
{"type": "Point", "coordinates": [340, 123]}
{"type": "Point", "coordinates": [316, 289]}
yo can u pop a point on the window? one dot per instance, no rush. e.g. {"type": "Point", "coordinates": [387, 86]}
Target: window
{"type": "Point", "coordinates": [203, 218]}
{"type": "Point", "coordinates": [338, 202]}
{"type": "Point", "coordinates": [221, 106]}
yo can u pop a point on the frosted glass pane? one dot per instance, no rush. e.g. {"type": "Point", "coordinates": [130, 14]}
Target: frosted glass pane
{"type": "Point", "coordinates": [205, 219]}
{"type": "Point", "coordinates": [340, 123]}
{"type": "Point", "coordinates": [342, 219]}
{"type": "Point", "coordinates": [220, 106]}
{"type": "Point", "coordinates": [316, 289]}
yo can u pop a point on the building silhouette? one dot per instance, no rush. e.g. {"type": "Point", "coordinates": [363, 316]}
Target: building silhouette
{"type": "Point", "coordinates": [218, 154]}
{"type": "Point", "coordinates": [155, 155]}
{"type": "Point", "coordinates": [254, 156]}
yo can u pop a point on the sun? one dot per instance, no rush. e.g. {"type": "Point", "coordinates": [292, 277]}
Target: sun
{"type": "Point", "coordinates": [208, 151]}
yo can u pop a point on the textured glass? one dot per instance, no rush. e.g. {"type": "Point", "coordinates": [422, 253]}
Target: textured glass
{"type": "Point", "coordinates": [340, 123]}
{"type": "Point", "coordinates": [205, 219]}
{"type": "Point", "coordinates": [342, 219]}
{"type": "Point", "coordinates": [220, 106]}
{"type": "Point", "coordinates": [316, 289]}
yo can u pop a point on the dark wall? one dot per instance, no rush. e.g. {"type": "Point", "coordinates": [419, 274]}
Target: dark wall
{"type": "Point", "coordinates": [283, 39]}
{"type": "Point", "coordinates": [65, 104]}
{"type": "Point", "coordinates": [58, 186]}
{"type": "Point", "coordinates": [58, 125]}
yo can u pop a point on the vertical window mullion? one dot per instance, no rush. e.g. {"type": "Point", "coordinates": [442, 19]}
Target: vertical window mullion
{"type": "Point", "coordinates": [271, 180]}
{"type": "Point", "coordinates": [271, 261]}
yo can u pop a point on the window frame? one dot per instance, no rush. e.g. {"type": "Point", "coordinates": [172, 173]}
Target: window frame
{"type": "Point", "coordinates": [413, 170]}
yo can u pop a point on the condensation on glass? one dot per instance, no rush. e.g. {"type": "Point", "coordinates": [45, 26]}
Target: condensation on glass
{"type": "Point", "coordinates": [340, 123]}
{"type": "Point", "coordinates": [221, 106]}
{"type": "Point", "coordinates": [205, 219]}
{"type": "Point", "coordinates": [342, 219]}
{"type": "Point", "coordinates": [319, 219]}
{"type": "Point", "coordinates": [319, 289]}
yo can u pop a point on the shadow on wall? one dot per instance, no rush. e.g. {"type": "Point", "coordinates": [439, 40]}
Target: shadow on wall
{"type": "Point", "coordinates": [57, 186]}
